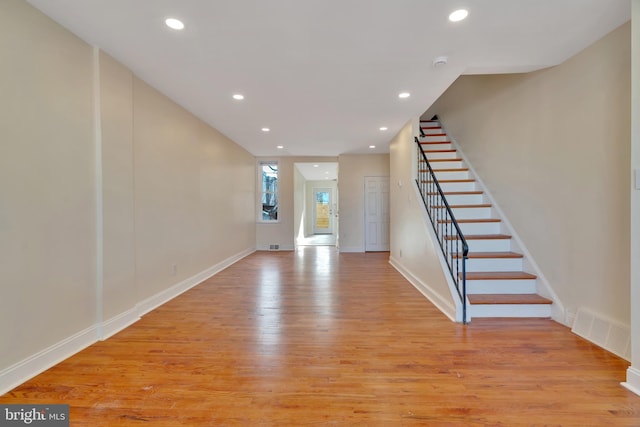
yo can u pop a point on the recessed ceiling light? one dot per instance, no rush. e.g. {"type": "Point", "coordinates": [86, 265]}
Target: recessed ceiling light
{"type": "Point", "coordinates": [458, 15]}
{"type": "Point", "coordinates": [238, 97]}
{"type": "Point", "coordinates": [265, 129]}
{"type": "Point", "coordinates": [383, 128]}
{"type": "Point", "coordinates": [174, 23]}
{"type": "Point", "coordinates": [280, 147]}
{"type": "Point", "coordinates": [326, 172]}
{"type": "Point", "coordinates": [404, 95]}
{"type": "Point", "coordinates": [315, 166]}
{"type": "Point", "coordinates": [372, 146]}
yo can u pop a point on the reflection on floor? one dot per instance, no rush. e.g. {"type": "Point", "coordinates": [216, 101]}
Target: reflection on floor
{"type": "Point", "coordinates": [317, 240]}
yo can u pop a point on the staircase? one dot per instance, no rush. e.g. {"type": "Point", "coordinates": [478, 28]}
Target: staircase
{"type": "Point", "coordinates": [497, 284]}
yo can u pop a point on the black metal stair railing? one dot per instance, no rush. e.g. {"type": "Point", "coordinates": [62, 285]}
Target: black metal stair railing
{"type": "Point", "coordinates": [452, 242]}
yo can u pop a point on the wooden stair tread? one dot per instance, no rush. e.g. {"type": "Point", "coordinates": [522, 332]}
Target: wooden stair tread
{"type": "Point", "coordinates": [456, 159]}
{"type": "Point", "coordinates": [483, 205]}
{"type": "Point", "coordinates": [458, 193]}
{"type": "Point", "coordinates": [470, 221]}
{"type": "Point", "coordinates": [500, 275]}
{"type": "Point", "coordinates": [449, 170]}
{"type": "Point", "coordinates": [487, 236]}
{"type": "Point", "coordinates": [435, 142]}
{"type": "Point", "coordinates": [440, 151]}
{"type": "Point", "coordinates": [507, 299]}
{"type": "Point", "coordinates": [454, 180]}
{"type": "Point", "coordinates": [433, 134]}
{"type": "Point", "coordinates": [489, 255]}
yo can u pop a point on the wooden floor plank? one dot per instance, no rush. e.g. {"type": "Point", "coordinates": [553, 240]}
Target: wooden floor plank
{"type": "Point", "coordinates": [314, 337]}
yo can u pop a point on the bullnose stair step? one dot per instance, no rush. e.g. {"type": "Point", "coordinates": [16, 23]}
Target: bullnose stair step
{"type": "Point", "coordinates": [489, 255]}
{"type": "Point", "coordinates": [500, 275]}
{"type": "Point", "coordinates": [482, 299]}
{"type": "Point", "coordinates": [469, 221]}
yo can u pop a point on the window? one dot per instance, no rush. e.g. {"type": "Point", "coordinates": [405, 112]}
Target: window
{"type": "Point", "coordinates": [269, 190]}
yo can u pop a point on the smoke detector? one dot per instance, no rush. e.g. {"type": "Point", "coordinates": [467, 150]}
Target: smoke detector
{"type": "Point", "coordinates": [440, 61]}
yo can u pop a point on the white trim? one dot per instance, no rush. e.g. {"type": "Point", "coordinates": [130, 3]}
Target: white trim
{"type": "Point", "coordinates": [39, 362]}
{"type": "Point", "coordinates": [633, 380]}
{"type": "Point", "coordinates": [543, 286]}
{"type": "Point", "coordinates": [441, 304]}
{"type": "Point", "coordinates": [97, 128]}
{"type": "Point", "coordinates": [118, 323]}
{"type": "Point", "coordinates": [168, 294]}
{"type": "Point", "coordinates": [603, 331]}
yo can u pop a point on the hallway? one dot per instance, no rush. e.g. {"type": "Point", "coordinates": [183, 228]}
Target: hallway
{"type": "Point", "coordinates": [315, 337]}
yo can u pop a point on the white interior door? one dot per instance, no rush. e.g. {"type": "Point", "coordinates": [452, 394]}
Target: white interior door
{"type": "Point", "coordinates": [376, 201]}
{"type": "Point", "coordinates": [322, 211]}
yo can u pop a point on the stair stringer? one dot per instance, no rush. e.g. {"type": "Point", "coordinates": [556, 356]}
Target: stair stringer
{"type": "Point", "coordinates": [543, 287]}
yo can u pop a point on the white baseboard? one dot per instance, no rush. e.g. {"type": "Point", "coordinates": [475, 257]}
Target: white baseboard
{"type": "Point", "coordinates": [168, 294]}
{"type": "Point", "coordinates": [118, 323]}
{"type": "Point", "coordinates": [604, 332]}
{"type": "Point", "coordinates": [39, 362]}
{"type": "Point", "coordinates": [436, 299]}
{"type": "Point", "coordinates": [633, 380]}
{"type": "Point", "coordinates": [33, 365]}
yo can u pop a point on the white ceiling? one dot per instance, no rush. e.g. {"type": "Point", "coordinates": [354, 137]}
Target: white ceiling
{"type": "Point", "coordinates": [318, 171]}
{"type": "Point", "coordinates": [324, 75]}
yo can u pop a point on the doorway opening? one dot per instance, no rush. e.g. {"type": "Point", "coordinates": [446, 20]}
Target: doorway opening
{"type": "Point", "coordinates": [316, 204]}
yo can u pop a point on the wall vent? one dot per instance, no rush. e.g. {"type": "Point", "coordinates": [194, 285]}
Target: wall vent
{"type": "Point", "coordinates": [274, 247]}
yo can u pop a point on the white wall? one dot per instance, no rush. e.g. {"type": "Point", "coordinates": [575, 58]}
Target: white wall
{"type": "Point", "coordinates": [105, 186]}
{"type": "Point", "coordinates": [553, 148]}
{"type": "Point", "coordinates": [413, 251]}
{"type": "Point", "coordinates": [352, 169]}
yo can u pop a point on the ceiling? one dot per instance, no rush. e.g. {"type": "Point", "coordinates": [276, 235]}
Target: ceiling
{"type": "Point", "coordinates": [325, 75]}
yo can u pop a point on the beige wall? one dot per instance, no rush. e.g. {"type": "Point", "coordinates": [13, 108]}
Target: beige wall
{"type": "Point", "coordinates": [100, 173]}
{"type": "Point", "coordinates": [413, 251]}
{"type": "Point", "coordinates": [352, 169]}
{"type": "Point", "coordinates": [116, 108]}
{"type": "Point", "coordinates": [47, 184]}
{"type": "Point", "coordinates": [283, 231]}
{"type": "Point", "coordinates": [193, 193]}
{"type": "Point", "coordinates": [553, 148]}
{"type": "Point", "coordinates": [633, 375]}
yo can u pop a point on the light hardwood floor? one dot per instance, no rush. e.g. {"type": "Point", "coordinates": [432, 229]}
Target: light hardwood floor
{"type": "Point", "coordinates": [314, 337]}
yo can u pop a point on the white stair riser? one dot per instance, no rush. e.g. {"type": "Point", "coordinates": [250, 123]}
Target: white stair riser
{"type": "Point", "coordinates": [446, 155]}
{"type": "Point", "coordinates": [494, 264]}
{"type": "Point", "coordinates": [489, 245]}
{"type": "Point", "coordinates": [480, 227]}
{"type": "Point", "coordinates": [453, 164]}
{"type": "Point", "coordinates": [434, 138]}
{"type": "Point", "coordinates": [510, 310]}
{"type": "Point", "coordinates": [430, 130]}
{"type": "Point", "coordinates": [464, 199]}
{"type": "Point", "coordinates": [440, 175]}
{"type": "Point", "coordinates": [458, 186]}
{"type": "Point", "coordinates": [471, 213]}
{"type": "Point", "coordinates": [501, 286]}
{"type": "Point", "coordinates": [446, 146]}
